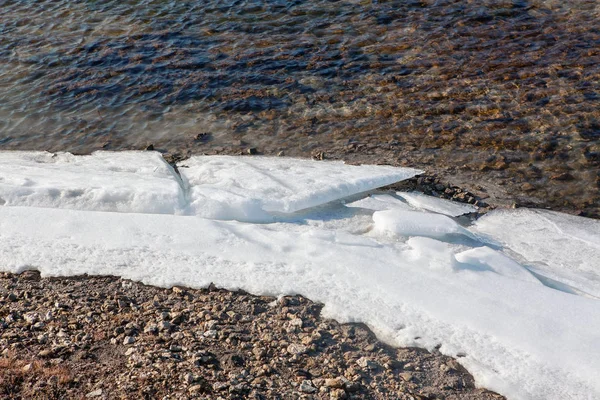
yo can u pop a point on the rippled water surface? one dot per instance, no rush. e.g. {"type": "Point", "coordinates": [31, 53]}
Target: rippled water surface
{"type": "Point", "coordinates": [505, 90]}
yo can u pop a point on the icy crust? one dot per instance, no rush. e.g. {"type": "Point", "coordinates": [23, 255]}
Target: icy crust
{"type": "Point", "coordinates": [249, 188]}
{"type": "Point", "coordinates": [563, 248]}
{"type": "Point", "coordinates": [434, 204]}
{"type": "Point", "coordinates": [516, 335]}
{"type": "Point", "coordinates": [137, 181]}
{"type": "Point", "coordinates": [516, 295]}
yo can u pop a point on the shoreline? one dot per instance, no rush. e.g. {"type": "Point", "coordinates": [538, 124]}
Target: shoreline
{"type": "Point", "coordinates": [106, 337]}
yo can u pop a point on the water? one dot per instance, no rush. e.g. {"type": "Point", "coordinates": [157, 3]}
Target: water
{"type": "Point", "coordinates": [506, 91]}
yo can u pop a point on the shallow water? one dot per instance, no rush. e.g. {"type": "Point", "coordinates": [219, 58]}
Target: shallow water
{"type": "Point", "coordinates": [506, 90]}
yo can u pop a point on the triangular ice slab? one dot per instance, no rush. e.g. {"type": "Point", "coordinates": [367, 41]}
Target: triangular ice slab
{"type": "Point", "coordinates": [562, 247]}
{"type": "Point", "coordinates": [139, 182]}
{"type": "Point", "coordinates": [441, 206]}
{"type": "Point", "coordinates": [252, 188]}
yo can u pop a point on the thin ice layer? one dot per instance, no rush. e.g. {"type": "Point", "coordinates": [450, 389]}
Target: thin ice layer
{"type": "Point", "coordinates": [104, 181]}
{"type": "Point", "coordinates": [562, 247]}
{"type": "Point", "coordinates": [520, 338]}
{"type": "Point", "coordinates": [250, 188]}
{"type": "Point", "coordinates": [441, 206]}
{"type": "Point", "coordinates": [379, 202]}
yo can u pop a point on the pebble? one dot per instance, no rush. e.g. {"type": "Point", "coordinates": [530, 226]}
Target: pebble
{"type": "Point", "coordinates": [334, 383]}
{"type": "Point", "coordinates": [128, 340]}
{"type": "Point", "coordinates": [95, 393]}
{"type": "Point", "coordinates": [296, 349]}
{"type": "Point", "coordinates": [307, 387]}
{"type": "Point", "coordinates": [364, 362]}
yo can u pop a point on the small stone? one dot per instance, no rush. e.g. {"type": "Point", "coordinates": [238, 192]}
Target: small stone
{"type": "Point", "coordinates": [189, 378]}
{"type": "Point", "coordinates": [296, 349]}
{"type": "Point", "coordinates": [178, 290]}
{"type": "Point", "coordinates": [27, 368]}
{"type": "Point", "coordinates": [150, 328]}
{"type": "Point", "coordinates": [164, 326]}
{"type": "Point", "coordinates": [334, 383]}
{"type": "Point", "coordinates": [364, 362]}
{"type": "Point", "coordinates": [218, 386]}
{"type": "Point", "coordinates": [195, 388]}
{"type": "Point", "coordinates": [12, 297]}
{"type": "Point", "coordinates": [39, 325]}
{"type": "Point", "coordinates": [212, 334]}
{"type": "Point", "coordinates": [407, 376]}
{"type": "Point", "coordinates": [251, 151]}
{"type": "Point", "coordinates": [130, 351]}
{"type": "Point", "coordinates": [296, 322]}
{"type": "Point", "coordinates": [31, 317]}
{"type": "Point", "coordinates": [307, 387]}
{"type": "Point", "coordinates": [128, 340]}
{"type": "Point", "coordinates": [527, 186]}
{"type": "Point", "coordinates": [95, 393]}
{"type": "Point", "coordinates": [338, 394]}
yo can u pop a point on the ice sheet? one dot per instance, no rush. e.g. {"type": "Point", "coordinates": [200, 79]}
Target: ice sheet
{"type": "Point", "coordinates": [561, 247]}
{"type": "Point", "coordinates": [418, 278]}
{"type": "Point", "coordinates": [442, 206]}
{"type": "Point", "coordinates": [252, 188]}
{"type": "Point", "coordinates": [520, 338]}
{"type": "Point", "coordinates": [104, 181]}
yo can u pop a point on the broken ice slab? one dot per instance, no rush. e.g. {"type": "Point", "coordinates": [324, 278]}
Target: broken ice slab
{"type": "Point", "coordinates": [253, 188]}
{"type": "Point", "coordinates": [132, 181]}
{"type": "Point", "coordinates": [434, 204]}
{"type": "Point", "coordinates": [416, 223]}
{"type": "Point", "coordinates": [562, 247]}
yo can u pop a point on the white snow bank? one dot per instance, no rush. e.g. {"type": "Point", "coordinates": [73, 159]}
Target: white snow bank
{"type": "Point", "coordinates": [104, 181]}
{"type": "Point", "coordinates": [520, 338]}
{"type": "Point", "coordinates": [249, 188]}
{"type": "Point", "coordinates": [417, 278]}
{"type": "Point", "coordinates": [442, 206]}
{"type": "Point", "coordinates": [415, 223]}
{"type": "Point", "coordinates": [562, 247]}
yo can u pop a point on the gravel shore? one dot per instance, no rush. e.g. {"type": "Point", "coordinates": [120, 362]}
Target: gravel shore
{"type": "Point", "coordinates": [109, 338]}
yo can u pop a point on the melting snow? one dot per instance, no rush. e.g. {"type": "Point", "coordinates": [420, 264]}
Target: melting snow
{"type": "Point", "coordinates": [416, 278]}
